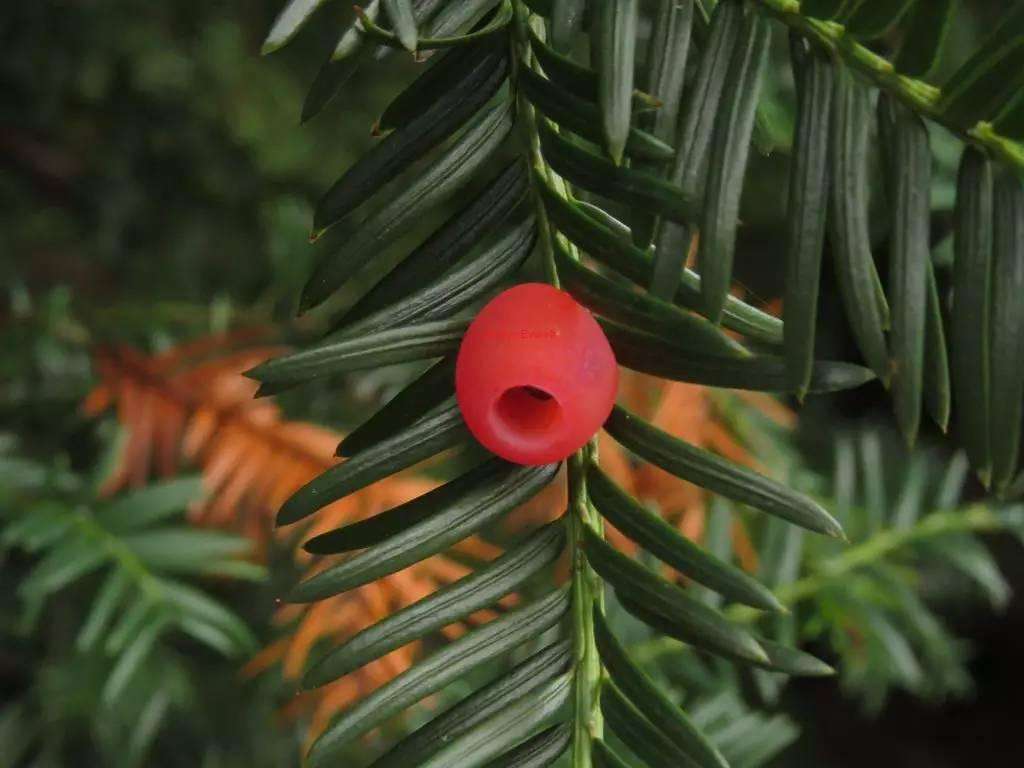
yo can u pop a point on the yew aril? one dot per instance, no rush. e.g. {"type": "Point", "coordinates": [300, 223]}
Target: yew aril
{"type": "Point", "coordinates": [535, 376]}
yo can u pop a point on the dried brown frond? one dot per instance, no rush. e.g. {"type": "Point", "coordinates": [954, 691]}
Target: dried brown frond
{"type": "Point", "coordinates": [191, 407]}
{"type": "Point", "coordinates": [686, 411]}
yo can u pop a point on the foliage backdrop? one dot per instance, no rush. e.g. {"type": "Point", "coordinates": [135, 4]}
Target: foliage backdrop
{"type": "Point", "coordinates": [156, 189]}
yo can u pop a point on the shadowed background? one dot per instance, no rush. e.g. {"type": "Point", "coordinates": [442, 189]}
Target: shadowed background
{"type": "Point", "coordinates": [155, 187]}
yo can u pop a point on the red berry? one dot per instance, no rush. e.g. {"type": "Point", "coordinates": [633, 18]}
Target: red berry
{"type": "Point", "coordinates": [535, 377]}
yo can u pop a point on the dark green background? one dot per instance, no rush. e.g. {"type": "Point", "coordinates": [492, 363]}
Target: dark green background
{"type": "Point", "coordinates": [155, 185]}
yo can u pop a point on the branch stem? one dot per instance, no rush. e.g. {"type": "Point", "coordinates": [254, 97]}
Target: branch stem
{"type": "Point", "coordinates": [920, 96]}
{"type": "Point", "coordinates": [587, 591]}
{"type": "Point", "coordinates": [977, 518]}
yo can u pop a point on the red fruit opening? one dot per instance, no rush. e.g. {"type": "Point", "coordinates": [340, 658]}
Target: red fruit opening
{"type": "Point", "coordinates": [535, 377]}
{"type": "Point", "coordinates": [528, 412]}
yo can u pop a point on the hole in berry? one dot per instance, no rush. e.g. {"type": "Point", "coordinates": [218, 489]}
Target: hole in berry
{"type": "Point", "coordinates": [527, 411]}
{"type": "Point", "coordinates": [539, 394]}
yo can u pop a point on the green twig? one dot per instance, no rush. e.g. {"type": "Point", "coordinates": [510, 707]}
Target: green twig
{"type": "Point", "coordinates": [587, 592]}
{"type": "Point", "coordinates": [587, 589]}
{"type": "Point", "coordinates": [920, 96]}
{"type": "Point", "coordinates": [978, 518]}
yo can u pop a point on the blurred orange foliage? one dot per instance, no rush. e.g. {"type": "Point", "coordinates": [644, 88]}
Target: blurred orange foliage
{"type": "Point", "coordinates": [191, 407]}
{"type": "Point", "coordinates": [687, 411]}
